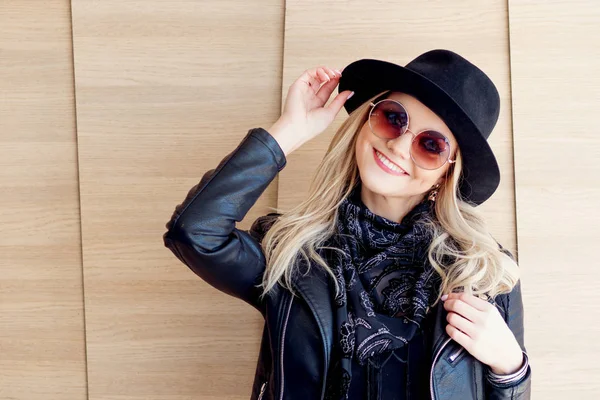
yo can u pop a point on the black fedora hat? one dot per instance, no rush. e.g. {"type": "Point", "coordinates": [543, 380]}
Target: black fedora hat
{"type": "Point", "coordinates": [461, 94]}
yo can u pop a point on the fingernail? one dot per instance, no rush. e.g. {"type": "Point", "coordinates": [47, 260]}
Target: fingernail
{"type": "Point", "coordinates": [351, 94]}
{"type": "Point", "coordinates": [444, 297]}
{"type": "Point", "coordinates": [338, 71]}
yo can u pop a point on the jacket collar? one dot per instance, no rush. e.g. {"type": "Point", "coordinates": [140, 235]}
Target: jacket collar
{"type": "Point", "coordinates": [439, 327]}
{"type": "Point", "coordinates": [314, 290]}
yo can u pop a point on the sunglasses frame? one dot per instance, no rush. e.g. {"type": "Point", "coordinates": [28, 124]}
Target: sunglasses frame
{"type": "Point", "coordinates": [448, 160]}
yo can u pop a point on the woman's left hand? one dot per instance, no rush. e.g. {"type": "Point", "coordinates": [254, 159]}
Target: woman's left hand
{"type": "Point", "coordinates": [478, 326]}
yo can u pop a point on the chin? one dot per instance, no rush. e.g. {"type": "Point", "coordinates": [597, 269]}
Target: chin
{"type": "Point", "coordinates": [380, 186]}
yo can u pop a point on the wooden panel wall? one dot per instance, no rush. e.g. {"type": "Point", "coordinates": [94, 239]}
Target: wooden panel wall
{"type": "Point", "coordinates": [42, 349]}
{"type": "Point", "coordinates": [165, 90]}
{"type": "Point", "coordinates": [555, 59]}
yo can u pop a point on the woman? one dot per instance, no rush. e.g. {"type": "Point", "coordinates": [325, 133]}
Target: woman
{"type": "Point", "coordinates": [384, 283]}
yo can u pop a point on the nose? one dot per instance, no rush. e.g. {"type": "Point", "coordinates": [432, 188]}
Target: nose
{"type": "Point", "coordinates": [400, 146]}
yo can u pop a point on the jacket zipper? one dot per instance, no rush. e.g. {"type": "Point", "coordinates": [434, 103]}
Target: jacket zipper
{"type": "Point", "coordinates": [262, 391]}
{"type": "Point", "coordinates": [282, 343]}
{"type": "Point", "coordinates": [457, 353]}
{"type": "Point", "coordinates": [433, 364]}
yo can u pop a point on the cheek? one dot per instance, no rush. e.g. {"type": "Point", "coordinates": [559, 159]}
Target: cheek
{"type": "Point", "coordinates": [362, 150]}
{"type": "Point", "coordinates": [424, 178]}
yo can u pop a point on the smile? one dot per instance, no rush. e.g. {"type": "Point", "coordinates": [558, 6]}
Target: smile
{"type": "Point", "coordinates": [387, 165]}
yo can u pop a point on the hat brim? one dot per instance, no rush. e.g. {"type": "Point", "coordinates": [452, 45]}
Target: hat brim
{"type": "Point", "coordinates": [368, 77]}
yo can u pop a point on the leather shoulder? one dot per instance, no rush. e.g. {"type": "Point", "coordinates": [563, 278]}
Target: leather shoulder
{"type": "Point", "coordinates": [261, 225]}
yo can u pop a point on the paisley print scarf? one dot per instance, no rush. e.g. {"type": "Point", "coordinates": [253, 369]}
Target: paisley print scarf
{"type": "Point", "coordinates": [386, 285]}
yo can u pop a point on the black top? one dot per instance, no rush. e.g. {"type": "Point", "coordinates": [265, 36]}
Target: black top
{"type": "Point", "coordinates": [402, 374]}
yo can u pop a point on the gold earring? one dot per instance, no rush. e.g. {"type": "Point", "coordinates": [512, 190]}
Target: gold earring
{"type": "Point", "coordinates": [434, 192]}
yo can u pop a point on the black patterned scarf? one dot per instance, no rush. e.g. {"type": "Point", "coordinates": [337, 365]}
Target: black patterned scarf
{"type": "Point", "coordinates": [387, 285]}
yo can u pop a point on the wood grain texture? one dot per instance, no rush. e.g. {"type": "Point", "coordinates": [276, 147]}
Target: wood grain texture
{"type": "Point", "coordinates": [337, 33]}
{"type": "Point", "coordinates": [555, 59]}
{"type": "Point", "coordinates": [165, 90]}
{"type": "Point", "coordinates": [42, 349]}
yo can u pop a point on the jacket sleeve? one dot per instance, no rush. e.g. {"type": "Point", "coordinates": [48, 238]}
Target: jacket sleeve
{"type": "Point", "coordinates": [512, 306]}
{"type": "Point", "coordinates": [202, 232]}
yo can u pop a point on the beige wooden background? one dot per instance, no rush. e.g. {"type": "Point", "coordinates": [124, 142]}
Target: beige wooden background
{"type": "Point", "coordinates": [42, 331]}
{"type": "Point", "coordinates": [110, 111]}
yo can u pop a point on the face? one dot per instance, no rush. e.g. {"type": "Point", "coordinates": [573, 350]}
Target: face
{"type": "Point", "coordinates": [380, 185]}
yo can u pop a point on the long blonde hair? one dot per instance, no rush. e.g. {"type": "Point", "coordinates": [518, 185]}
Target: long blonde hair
{"type": "Point", "coordinates": [459, 230]}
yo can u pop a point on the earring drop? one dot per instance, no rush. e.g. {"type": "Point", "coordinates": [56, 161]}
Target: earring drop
{"type": "Point", "coordinates": [434, 192]}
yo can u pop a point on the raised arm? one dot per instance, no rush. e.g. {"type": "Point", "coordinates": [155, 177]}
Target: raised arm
{"type": "Point", "coordinates": [202, 231]}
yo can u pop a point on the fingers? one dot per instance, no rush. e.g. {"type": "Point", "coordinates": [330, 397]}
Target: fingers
{"type": "Point", "coordinates": [314, 77]}
{"type": "Point", "coordinates": [327, 73]}
{"type": "Point", "coordinates": [325, 91]}
{"type": "Point", "coordinates": [458, 321]}
{"type": "Point", "coordinates": [338, 102]}
{"type": "Point", "coordinates": [462, 308]}
{"type": "Point", "coordinates": [473, 301]}
{"type": "Point", "coordinates": [332, 79]}
{"type": "Point", "coordinates": [459, 337]}
{"type": "Point", "coordinates": [330, 73]}
{"type": "Point", "coordinates": [329, 79]}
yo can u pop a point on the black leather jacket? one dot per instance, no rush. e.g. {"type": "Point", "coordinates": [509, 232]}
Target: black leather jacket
{"type": "Point", "coordinates": [298, 332]}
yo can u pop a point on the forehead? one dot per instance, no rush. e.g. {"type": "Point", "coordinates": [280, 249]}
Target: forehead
{"type": "Point", "coordinates": [422, 117]}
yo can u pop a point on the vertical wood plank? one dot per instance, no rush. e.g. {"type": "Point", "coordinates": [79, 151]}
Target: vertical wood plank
{"type": "Point", "coordinates": [555, 58]}
{"type": "Point", "coordinates": [165, 90]}
{"type": "Point", "coordinates": [42, 342]}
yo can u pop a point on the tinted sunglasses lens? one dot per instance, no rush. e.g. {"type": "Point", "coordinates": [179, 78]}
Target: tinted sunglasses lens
{"type": "Point", "coordinates": [430, 149]}
{"type": "Point", "coordinates": [388, 119]}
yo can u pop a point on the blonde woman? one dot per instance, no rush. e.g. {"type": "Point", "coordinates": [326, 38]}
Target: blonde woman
{"type": "Point", "coordinates": [385, 282]}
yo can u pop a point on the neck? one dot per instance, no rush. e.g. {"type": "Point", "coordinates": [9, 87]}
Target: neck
{"type": "Point", "coordinates": [393, 208]}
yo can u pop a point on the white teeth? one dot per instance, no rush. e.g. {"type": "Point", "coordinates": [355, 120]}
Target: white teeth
{"type": "Point", "coordinates": [388, 163]}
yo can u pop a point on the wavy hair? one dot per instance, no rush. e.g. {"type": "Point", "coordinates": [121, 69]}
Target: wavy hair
{"type": "Point", "coordinates": [462, 252]}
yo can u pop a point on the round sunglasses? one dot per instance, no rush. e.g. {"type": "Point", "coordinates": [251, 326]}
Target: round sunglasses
{"type": "Point", "coordinates": [429, 149]}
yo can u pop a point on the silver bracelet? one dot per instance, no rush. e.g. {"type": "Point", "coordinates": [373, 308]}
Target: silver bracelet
{"type": "Point", "coordinates": [509, 378]}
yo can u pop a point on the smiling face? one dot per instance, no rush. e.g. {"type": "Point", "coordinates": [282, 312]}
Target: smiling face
{"type": "Point", "coordinates": [386, 187]}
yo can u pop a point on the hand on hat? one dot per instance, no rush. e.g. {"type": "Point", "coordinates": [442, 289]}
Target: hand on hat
{"type": "Point", "coordinates": [478, 326]}
{"type": "Point", "coordinates": [304, 114]}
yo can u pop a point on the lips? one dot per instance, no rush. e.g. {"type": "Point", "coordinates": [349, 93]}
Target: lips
{"type": "Point", "coordinates": [385, 167]}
